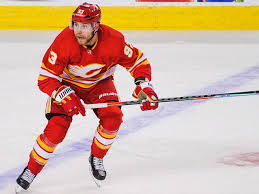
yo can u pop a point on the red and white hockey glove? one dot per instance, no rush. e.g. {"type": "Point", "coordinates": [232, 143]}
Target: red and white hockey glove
{"type": "Point", "coordinates": [69, 100]}
{"type": "Point", "coordinates": [145, 93]}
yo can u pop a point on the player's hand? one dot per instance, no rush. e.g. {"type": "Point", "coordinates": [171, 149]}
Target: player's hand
{"type": "Point", "coordinates": [69, 100]}
{"type": "Point", "coordinates": [145, 93]}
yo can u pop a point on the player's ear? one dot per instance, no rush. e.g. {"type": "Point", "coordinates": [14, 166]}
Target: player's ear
{"type": "Point", "coordinates": [96, 26]}
{"type": "Point", "coordinates": [71, 24]}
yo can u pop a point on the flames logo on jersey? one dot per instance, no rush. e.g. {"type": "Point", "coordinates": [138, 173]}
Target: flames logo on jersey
{"type": "Point", "coordinates": [86, 71]}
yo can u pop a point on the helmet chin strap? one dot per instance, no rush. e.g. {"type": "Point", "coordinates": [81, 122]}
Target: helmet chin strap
{"type": "Point", "coordinates": [93, 33]}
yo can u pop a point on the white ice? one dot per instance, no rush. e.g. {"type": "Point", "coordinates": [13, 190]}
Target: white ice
{"type": "Point", "coordinates": [211, 147]}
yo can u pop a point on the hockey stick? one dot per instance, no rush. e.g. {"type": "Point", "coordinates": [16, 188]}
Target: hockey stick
{"type": "Point", "coordinates": [183, 98]}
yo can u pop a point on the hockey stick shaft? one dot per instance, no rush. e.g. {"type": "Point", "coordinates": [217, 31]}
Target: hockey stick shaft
{"type": "Point", "coordinates": [175, 99]}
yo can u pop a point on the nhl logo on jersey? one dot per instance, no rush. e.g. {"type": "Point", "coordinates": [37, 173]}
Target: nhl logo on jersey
{"type": "Point", "coordinates": [89, 52]}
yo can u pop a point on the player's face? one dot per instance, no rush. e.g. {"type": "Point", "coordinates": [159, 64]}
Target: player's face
{"type": "Point", "coordinates": [83, 32]}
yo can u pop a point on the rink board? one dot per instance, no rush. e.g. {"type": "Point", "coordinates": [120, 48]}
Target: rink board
{"type": "Point", "coordinates": [136, 17]}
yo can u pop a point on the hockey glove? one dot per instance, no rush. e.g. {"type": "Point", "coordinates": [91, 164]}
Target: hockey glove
{"type": "Point", "coordinates": [145, 93]}
{"type": "Point", "coordinates": [69, 100]}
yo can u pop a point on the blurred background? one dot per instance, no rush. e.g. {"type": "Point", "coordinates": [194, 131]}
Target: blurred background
{"type": "Point", "coordinates": [135, 14]}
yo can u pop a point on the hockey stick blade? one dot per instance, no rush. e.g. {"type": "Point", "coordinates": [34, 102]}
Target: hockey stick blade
{"type": "Point", "coordinates": [175, 99]}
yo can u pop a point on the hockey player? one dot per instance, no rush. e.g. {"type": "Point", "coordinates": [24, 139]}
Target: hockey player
{"type": "Point", "coordinates": [79, 65]}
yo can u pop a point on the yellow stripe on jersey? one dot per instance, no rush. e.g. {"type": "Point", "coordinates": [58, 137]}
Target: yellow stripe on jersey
{"type": "Point", "coordinates": [44, 146]}
{"type": "Point", "coordinates": [38, 158]}
{"type": "Point", "coordinates": [139, 55]}
{"type": "Point", "coordinates": [89, 79]}
{"type": "Point", "coordinates": [92, 47]}
{"type": "Point", "coordinates": [48, 105]}
{"type": "Point", "coordinates": [41, 77]}
{"type": "Point", "coordinates": [107, 136]}
{"type": "Point", "coordinates": [145, 62]}
{"type": "Point", "coordinates": [81, 85]}
{"type": "Point", "coordinates": [43, 66]}
{"type": "Point", "coordinates": [100, 145]}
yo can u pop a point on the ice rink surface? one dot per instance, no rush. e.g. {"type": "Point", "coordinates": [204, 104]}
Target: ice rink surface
{"type": "Point", "coordinates": [194, 147]}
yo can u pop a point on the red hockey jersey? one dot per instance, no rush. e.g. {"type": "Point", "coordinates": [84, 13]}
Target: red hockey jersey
{"type": "Point", "coordinates": [84, 67]}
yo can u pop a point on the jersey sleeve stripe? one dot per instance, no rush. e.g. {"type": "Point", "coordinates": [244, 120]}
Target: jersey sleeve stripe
{"type": "Point", "coordinates": [46, 73]}
{"type": "Point", "coordinates": [41, 77]}
{"type": "Point", "coordinates": [43, 66]}
{"type": "Point", "coordinates": [145, 62]}
{"type": "Point", "coordinates": [143, 58]}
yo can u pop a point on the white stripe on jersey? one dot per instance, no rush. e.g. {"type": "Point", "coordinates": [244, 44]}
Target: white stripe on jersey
{"type": "Point", "coordinates": [48, 74]}
{"type": "Point", "coordinates": [107, 74]}
{"type": "Point", "coordinates": [137, 62]}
